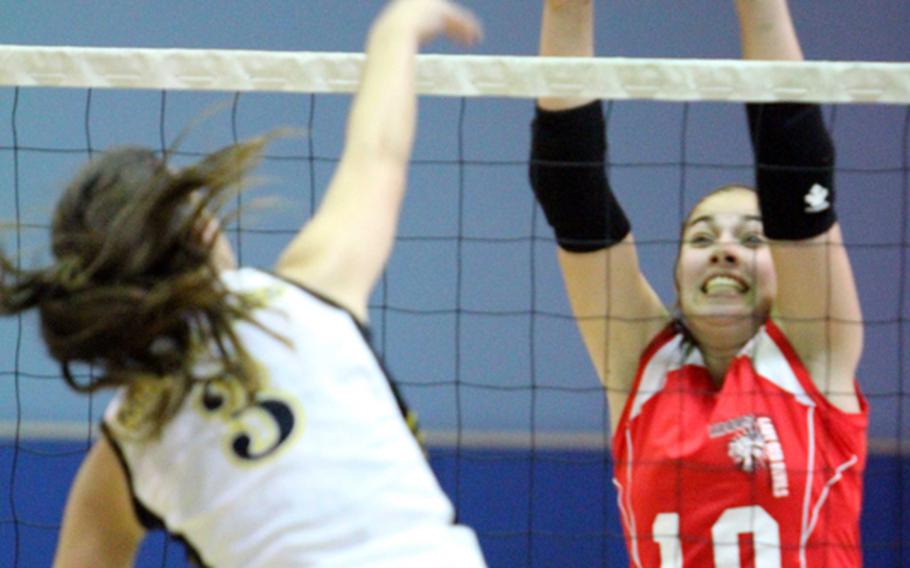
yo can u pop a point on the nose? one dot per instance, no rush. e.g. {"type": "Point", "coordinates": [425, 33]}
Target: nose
{"type": "Point", "coordinates": [725, 253]}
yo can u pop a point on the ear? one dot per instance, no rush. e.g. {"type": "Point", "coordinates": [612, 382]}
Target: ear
{"type": "Point", "coordinates": [676, 271]}
{"type": "Point", "coordinates": [207, 228]}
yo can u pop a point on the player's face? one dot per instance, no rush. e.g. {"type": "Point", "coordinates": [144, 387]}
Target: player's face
{"type": "Point", "coordinates": [724, 272]}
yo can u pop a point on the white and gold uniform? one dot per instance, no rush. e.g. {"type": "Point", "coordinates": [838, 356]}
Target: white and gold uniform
{"type": "Point", "coordinates": [320, 470]}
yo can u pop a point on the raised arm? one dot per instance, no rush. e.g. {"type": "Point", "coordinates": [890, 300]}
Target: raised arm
{"type": "Point", "coordinates": [767, 31]}
{"type": "Point", "coordinates": [344, 248]}
{"type": "Point", "coordinates": [616, 310]}
{"type": "Point", "coordinates": [566, 30]}
{"type": "Point", "coordinates": [816, 305]}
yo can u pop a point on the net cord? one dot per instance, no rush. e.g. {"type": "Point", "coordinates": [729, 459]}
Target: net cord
{"type": "Point", "coordinates": [838, 82]}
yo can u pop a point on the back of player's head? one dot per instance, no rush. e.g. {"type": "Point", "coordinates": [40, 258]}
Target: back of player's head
{"type": "Point", "coordinates": [132, 286]}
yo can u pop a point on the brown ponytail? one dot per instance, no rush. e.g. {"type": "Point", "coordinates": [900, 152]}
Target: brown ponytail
{"type": "Point", "coordinates": [133, 288]}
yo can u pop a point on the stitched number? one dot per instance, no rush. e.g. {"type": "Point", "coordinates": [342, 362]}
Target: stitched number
{"type": "Point", "coordinates": [725, 535]}
{"type": "Point", "coordinates": [737, 520]}
{"type": "Point", "coordinates": [666, 533]}
{"type": "Point", "coordinates": [267, 424]}
{"type": "Point", "coordinates": [259, 428]}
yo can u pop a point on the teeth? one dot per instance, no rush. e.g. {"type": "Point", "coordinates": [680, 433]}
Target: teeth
{"type": "Point", "coordinates": [721, 284]}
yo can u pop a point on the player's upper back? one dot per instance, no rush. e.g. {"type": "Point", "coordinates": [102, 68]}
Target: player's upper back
{"type": "Point", "coordinates": [321, 467]}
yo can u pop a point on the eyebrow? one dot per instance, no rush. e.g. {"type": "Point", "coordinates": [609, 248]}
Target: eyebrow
{"type": "Point", "coordinates": [710, 219]}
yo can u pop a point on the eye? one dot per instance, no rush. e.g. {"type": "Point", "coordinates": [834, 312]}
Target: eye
{"type": "Point", "coordinates": [753, 240]}
{"type": "Point", "coordinates": [700, 240]}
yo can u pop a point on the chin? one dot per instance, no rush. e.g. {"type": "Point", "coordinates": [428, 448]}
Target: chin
{"type": "Point", "coordinates": [727, 315]}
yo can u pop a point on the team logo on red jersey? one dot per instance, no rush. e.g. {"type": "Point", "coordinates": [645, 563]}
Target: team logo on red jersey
{"type": "Point", "coordinates": [747, 450]}
{"type": "Point", "coordinates": [754, 445]}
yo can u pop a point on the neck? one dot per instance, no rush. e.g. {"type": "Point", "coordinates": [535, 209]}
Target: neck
{"type": "Point", "coordinates": [717, 364]}
{"type": "Point", "coordinates": [720, 342]}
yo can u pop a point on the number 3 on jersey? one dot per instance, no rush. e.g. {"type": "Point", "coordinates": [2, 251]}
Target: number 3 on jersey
{"type": "Point", "coordinates": [725, 537]}
{"type": "Point", "coordinates": [258, 429]}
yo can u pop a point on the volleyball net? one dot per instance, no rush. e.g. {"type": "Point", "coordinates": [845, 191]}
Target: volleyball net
{"type": "Point", "coordinates": [470, 316]}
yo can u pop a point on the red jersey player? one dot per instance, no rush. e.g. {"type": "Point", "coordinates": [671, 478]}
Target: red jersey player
{"type": "Point", "coordinates": [738, 429]}
{"type": "Point", "coordinates": [762, 466]}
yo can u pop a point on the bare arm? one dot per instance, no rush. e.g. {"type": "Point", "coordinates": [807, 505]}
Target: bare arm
{"type": "Point", "coordinates": [817, 304]}
{"type": "Point", "coordinates": [343, 250]}
{"type": "Point", "coordinates": [617, 311]}
{"type": "Point", "coordinates": [767, 31]}
{"type": "Point", "coordinates": [99, 528]}
{"type": "Point", "coordinates": [566, 30]}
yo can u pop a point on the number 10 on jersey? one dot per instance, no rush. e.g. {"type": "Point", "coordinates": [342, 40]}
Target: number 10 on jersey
{"type": "Point", "coordinates": [724, 538]}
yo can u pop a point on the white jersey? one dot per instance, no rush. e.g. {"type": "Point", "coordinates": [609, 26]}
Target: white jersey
{"type": "Point", "coordinates": [321, 470]}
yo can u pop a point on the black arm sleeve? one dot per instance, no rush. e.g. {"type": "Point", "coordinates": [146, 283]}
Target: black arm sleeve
{"type": "Point", "coordinates": [567, 174]}
{"type": "Point", "coordinates": [794, 166]}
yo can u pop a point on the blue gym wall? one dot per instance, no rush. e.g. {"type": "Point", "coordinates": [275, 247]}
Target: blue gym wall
{"type": "Point", "coordinates": [451, 310]}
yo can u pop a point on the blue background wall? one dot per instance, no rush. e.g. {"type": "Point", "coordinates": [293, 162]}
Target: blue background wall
{"type": "Point", "coordinates": [476, 329]}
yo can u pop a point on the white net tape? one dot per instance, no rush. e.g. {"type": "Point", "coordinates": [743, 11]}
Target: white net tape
{"type": "Point", "coordinates": [460, 75]}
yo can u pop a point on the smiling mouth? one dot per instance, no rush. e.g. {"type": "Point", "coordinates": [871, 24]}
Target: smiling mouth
{"type": "Point", "coordinates": [724, 285]}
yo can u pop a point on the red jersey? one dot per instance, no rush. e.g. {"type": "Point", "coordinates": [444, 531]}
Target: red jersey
{"type": "Point", "coordinates": [762, 471]}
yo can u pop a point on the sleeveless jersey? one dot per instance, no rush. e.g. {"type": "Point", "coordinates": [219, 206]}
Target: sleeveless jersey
{"type": "Point", "coordinates": [320, 469]}
{"type": "Point", "coordinates": [762, 471]}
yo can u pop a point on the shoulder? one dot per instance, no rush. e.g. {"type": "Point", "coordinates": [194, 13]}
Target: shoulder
{"type": "Point", "coordinates": [674, 332]}
{"type": "Point", "coordinates": [775, 358]}
{"type": "Point", "coordinates": [667, 351]}
{"type": "Point", "coordinates": [246, 280]}
{"type": "Point", "coordinates": [269, 289]}
{"type": "Point", "coordinates": [277, 301]}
